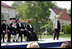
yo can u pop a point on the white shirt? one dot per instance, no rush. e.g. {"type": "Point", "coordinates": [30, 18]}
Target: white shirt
{"type": "Point", "coordinates": [14, 25]}
{"type": "Point", "coordinates": [55, 24]}
{"type": "Point", "coordinates": [30, 25]}
{"type": "Point", "coordinates": [20, 24]}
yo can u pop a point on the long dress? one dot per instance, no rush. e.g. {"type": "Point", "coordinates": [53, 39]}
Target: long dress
{"type": "Point", "coordinates": [31, 36]}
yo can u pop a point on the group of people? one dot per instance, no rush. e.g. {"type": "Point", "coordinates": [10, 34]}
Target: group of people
{"type": "Point", "coordinates": [17, 29]}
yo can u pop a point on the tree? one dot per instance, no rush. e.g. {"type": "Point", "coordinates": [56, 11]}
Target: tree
{"type": "Point", "coordinates": [16, 3]}
{"type": "Point", "coordinates": [38, 10]}
{"type": "Point", "coordinates": [49, 27]}
{"type": "Point", "coordinates": [69, 12]}
{"type": "Point", "coordinates": [55, 6]}
{"type": "Point", "coordinates": [67, 29]}
{"type": "Point", "coordinates": [31, 8]}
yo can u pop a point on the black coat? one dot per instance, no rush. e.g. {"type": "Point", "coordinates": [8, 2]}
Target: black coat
{"type": "Point", "coordinates": [31, 36]}
{"type": "Point", "coordinates": [3, 27]}
{"type": "Point", "coordinates": [30, 29]}
{"type": "Point", "coordinates": [18, 27]}
{"type": "Point", "coordinates": [10, 26]}
{"type": "Point", "coordinates": [12, 29]}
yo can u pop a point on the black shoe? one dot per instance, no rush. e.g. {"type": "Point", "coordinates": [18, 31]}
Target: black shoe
{"type": "Point", "coordinates": [13, 40]}
{"type": "Point", "coordinates": [57, 39]}
{"type": "Point", "coordinates": [16, 40]}
{"type": "Point", "coordinates": [21, 41]}
{"type": "Point", "coordinates": [8, 41]}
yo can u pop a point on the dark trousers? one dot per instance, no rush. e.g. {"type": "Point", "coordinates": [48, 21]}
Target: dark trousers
{"type": "Point", "coordinates": [9, 35]}
{"type": "Point", "coordinates": [56, 34]}
{"type": "Point", "coordinates": [20, 34]}
{"type": "Point", "coordinates": [3, 36]}
{"type": "Point", "coordinates": [32, 37]}
{"type": "Point", "coordinates": [14, 34]}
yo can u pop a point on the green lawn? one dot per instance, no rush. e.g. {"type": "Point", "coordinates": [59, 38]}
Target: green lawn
{"type": "Point", "coordinates": [67, 36]}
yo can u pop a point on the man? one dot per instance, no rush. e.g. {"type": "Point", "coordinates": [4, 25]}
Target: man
{"type": "Point", "coordinates": [13, 28]}
{"type": "Point", "coordinates": [20, 29]}
{"type": "Point", "coordinates": [31, 35]}
{"type": "Point", "coordinates": [57, 27]}
{"type": "Point", "coordinates": [4, 29]}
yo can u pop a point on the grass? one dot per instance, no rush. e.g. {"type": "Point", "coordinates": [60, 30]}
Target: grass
{"type": "Point", "coordinates": [66, 36]}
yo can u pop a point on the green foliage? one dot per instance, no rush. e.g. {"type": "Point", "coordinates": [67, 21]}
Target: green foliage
{"type": "Point", "coordinates": [67, 29]}
{"type": "Point", "coordinates": [56, 7]}
{"type": "Point", "coordinates": [29, 9]}
{"type": "Point", "coordinates": [69, 12]}
{"type": "Point", "coordinates": [38, 11]}
{"type": "Point", "coordinates": [16, 3]}
{"type": "Point", "coordinates": [49, 27]}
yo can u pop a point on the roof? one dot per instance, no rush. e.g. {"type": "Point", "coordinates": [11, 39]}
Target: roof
{"type": "Point", "coordinates": [5, 5]}
{"type": "Point", "coordinates": [64, 15]}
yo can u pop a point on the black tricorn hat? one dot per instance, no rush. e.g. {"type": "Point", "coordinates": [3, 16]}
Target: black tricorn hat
{"type": "Point", "coordinates": [17, 19]}
{"type": "Point", "coordinates": [12, 19]}
{"type": "Point", "coordinates": [4, 20]}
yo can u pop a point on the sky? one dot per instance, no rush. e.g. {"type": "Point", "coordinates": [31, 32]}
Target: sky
{"type": "Point", "coordinates": [62, 4]}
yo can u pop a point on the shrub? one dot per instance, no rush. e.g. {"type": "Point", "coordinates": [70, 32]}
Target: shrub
{"type": "Point", "coordinates": [67, 29]}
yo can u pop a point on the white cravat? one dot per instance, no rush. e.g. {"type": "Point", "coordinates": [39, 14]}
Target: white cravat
{"type": "Point", "coordinates": [13, 25]}
{"type": "Point", "coordinates": [56, 24]}
{"type": "Point", "coordinates": [30, 25]}
{"type": "Point", "coordinates": [19, 24]}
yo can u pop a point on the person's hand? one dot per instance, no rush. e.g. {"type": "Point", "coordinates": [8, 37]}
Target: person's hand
{"type": "Point", "coordinates": [25, 29]}
{"type": "Point", "coordinates": [4, 31]}
{"type": "Point", "coordinates": [22, 29]}
{"type": "Point", "coordinates": [29, 31]}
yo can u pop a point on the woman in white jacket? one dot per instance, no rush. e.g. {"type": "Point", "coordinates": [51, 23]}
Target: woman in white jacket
{"type": "Point", "coordinates": [57, 27]}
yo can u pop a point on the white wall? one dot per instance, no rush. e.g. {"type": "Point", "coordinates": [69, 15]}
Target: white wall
{"type": "Point", "coordinates": [64, 22]}
{"type": "Point", "coordinates": [52, 16]}
{"type": "Point", "coordinates": [9, 11]}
